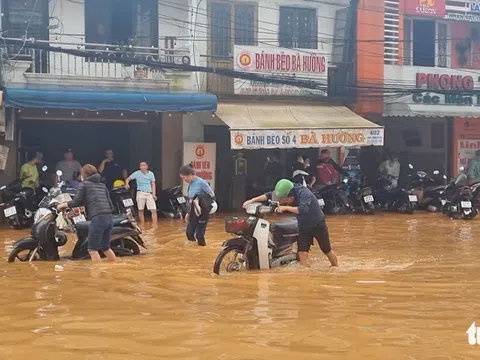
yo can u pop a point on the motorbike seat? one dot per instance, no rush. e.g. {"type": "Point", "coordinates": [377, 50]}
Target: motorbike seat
{"type": "Point", "coordinates": [435, 188]}
{"type": "Point", "coordinates": [118, 220]}
{"type": "Point", "coordinates": [286, 226]}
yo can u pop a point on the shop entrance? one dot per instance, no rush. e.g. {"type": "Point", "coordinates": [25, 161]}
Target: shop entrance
{"type": "Point", "coordinates": [88, 140]}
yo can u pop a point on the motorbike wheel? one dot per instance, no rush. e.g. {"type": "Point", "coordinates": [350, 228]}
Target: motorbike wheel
{"type": "Point", "coordinates": [235, 265]}
{"type": "Point", "coordinates": [125, 243]}
{"type": "Point", "coordinates": [15, 223]}
{"type": "Point", "coordinates": [410, 208]}
{"type": "Point", "coordinates": [473, 214]}
{"type": "Point", "coordinates": [23, 255]}
{"type": "Point", "coordinates": [370, 208]}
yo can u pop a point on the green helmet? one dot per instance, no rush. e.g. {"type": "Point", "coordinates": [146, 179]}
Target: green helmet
{"type": "Point", "coordinates": [283, 188]}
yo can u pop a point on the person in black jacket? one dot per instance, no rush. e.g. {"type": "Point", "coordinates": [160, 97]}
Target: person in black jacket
{"type": "Point", "coordinates": [93, 194]}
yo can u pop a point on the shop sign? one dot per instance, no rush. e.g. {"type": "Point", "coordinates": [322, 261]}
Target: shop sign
{"type": "Point", "coordinates": [282, 62]}
{"type": "Point", "coordinates": [445, 82]}
{"type": "Point", "coordinates": [427, 98]}
{"type": "Point", "coordinates": [474, 7]}
{"type": "Point", "coordinates": [429, 8]}
{"type": "Point", "coordinates": [466, 141]}
{"type": "Point", "coordinates": [202, 156]}
{"type": "Point", "coordinates": [463, 17]}
{"type": "Point", "coordinates": [305, 138]}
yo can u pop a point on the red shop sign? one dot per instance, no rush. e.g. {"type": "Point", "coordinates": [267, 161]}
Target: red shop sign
{"type": "Point", "coordinates": [429, 8]}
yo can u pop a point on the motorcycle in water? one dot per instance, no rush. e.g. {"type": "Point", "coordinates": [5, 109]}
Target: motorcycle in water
{"type": "Point", "coordinates": [395, 200]}
{"type": "Point", "coordinates": [335, 201]}
{"type": "Point", "coordinates": [461, 205]}
{"type": "Point", "coordinates": [259, 244]}
{"type": "Point", "coordinates": [45, 237]}
{"type": "Point", "coordinates": [122, 201]}
{"type": "Point", "coordinates": [19, 204]}
{"type": "Point", "coordinates": [172, 203]}
{"type": "Point", "coordinates": [360, 199]}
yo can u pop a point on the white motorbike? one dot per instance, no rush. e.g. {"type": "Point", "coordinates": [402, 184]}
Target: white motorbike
{"type": "Point", "coordinates": [259, 244]}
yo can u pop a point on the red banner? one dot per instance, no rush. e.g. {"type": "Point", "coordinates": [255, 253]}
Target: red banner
{"type": "Point", "coordinates": [429, 8]}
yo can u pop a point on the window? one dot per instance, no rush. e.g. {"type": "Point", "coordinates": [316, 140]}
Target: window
{"type": "Point", "coordinates": [244, 25]}
{"type": "Point", "coordinates": [24, 18]}
{"type": "Point", "coordinates": [298, 28]}
{"type": "Point", "coordinates": [243, 31]}
{"type": "Point", "coordinates": [426, 43]}
{"type": "Point", "coordinates": [120, 22]}
{"type": "Point", "coordinates": [412, 138]}
{"type": "Point", "coordinates": [437, 135]}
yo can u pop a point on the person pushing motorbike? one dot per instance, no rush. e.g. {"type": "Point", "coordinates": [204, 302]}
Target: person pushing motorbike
{"type": "Point", "coordinates": [299, 200]}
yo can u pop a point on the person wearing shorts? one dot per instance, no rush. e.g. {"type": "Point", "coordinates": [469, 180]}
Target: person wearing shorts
{"type": "Point", "coordinates": [299, 200]}
{"type": "Point", "coordinates": [146, 191]}
{"type": "Point", "coordinates": [93, 194]}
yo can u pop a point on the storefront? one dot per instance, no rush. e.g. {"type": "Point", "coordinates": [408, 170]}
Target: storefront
{"type": "Point", "coordinates": [431, 121]}
{"type": "Point", "coordinates": [88, 121]}
{"type": "Point", "coordinates": [258, 130]}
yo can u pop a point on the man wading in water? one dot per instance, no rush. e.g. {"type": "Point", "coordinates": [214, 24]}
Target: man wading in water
{"type": "Point", "coordinates": [300, 200]}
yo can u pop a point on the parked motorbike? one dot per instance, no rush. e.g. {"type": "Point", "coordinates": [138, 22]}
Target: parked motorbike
{"type": "Point", "coordinates": [430, 197]}
{"type": "Point", "coordinates": [122, 201]}
{"type": "Point", "coordinates": [172, 203]}
{"type": "Point", "coordinates": [45, 237]}
{"type": "Point", "coordinates": [19, 204]}
{"type": "Point", "coordinates": [461, 205]}
{"type": "Point", "coordinates": [259, 244]}
{"type": "Point", "coordinates": [360, 199]}
{"type": "Point", "coordinates": [334, 198]}
{"type": "Point", "coordinates": [389, 199]}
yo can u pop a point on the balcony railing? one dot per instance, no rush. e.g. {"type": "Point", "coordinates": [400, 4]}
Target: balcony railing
{"type": "Point", "coordinates": [103, 60]}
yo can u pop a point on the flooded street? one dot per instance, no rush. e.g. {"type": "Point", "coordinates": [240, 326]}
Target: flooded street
{"type": "Point", "coordinates": [406, 288]}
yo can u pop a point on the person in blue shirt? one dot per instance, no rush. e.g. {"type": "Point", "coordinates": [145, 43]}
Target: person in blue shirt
{"type": "Point", "coordinates": [146, 191]}
{"type": "Point", "coordinates": [197, 187]}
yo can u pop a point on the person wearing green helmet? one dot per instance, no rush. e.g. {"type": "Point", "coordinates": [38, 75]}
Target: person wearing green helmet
{"type": "Point", "coordinates": [299, 200]}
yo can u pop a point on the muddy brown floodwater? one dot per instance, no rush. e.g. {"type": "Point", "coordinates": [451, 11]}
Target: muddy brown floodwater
{"type": "Point", "coordinates": [407, 288]}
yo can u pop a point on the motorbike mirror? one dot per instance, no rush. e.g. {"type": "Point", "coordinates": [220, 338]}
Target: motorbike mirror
{"type": "Point", "coordinates": [45, 190]}
{"type": "Point", "coordinates": [45, 168]}
{"type": "Point", "coordinates": [462, 168]}
{"type": "Point", "coordinates": [436, 172]}
{"type": "Point", "coordinates": [59, 172]}
{"type": "Point", "coordinates": [410, 166]}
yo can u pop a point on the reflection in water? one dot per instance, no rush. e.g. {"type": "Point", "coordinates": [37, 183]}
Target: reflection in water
{"type": "Point", "coordinates": [406, 288]}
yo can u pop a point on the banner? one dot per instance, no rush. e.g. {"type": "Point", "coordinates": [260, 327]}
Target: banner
{"type": "Point", "coordinates": [203, 158]}
{"type": "Point", "coordinates": [305, 138]}
{"type": "Point", "coordinates": [466, 152]}
{"type": "Point", "coordinates": [466, 141]}
{"type": "Point", "coordinates": [291, 64]}
{"type": "Point", "coordinates": [428, 8]}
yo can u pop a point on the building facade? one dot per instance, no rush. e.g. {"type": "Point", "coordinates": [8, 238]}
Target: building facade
{"type": "Point", "coordinates": [68, 84]}
{"type": "Point", "coordinates": [421, 59]}
{"type": "Point", "coordinates": [87, 72]}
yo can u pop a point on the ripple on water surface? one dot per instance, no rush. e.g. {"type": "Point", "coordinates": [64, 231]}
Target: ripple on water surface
{"type": "Point", "coordinates": [405, 289]}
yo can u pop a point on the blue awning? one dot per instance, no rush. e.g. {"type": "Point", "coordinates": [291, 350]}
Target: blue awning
{"type": "Point", "coordinates": [101, 99]}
